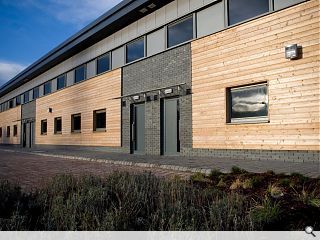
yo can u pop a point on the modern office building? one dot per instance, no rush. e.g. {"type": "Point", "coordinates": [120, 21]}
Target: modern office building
{"type": "Point", "coordinates": [221, 78]}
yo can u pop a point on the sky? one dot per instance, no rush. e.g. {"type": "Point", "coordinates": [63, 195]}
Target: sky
{"type": "Point", "coordinates": [31, 28]}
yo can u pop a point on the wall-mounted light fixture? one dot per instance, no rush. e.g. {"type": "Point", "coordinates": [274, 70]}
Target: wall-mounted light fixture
{"type": "Point", "coordinates": [136, 98]}
{"type": "Point", "coordinates": [168, 91]}
{"type": "Point", "coordinates": [143, 10]}
{"type": "Point", "coordinates": [292, 51]}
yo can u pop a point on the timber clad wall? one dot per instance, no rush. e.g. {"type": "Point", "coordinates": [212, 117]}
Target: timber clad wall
{"type": "Point", "coordinates": [85, 97]}
{"type": "Point", "coordinates": [10, 118]}
{"type": "Point", "coordinates": [252, 53]}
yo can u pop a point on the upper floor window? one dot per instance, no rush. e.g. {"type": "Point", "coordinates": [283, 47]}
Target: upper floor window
{"type": "Point", "coordinates": [58, 125]}
{"type": "Point", "coordinates": [47, 88]}
{"type": "Point", "coordinates": [44, 126]}
{"type": "Point", "coordinates": [11, 103]}
{"type": "Point", "coordinates": [61, 81]}
{"type": "Point", "coordinates": [103, 63]}
{"type": "Point", "coordinates": [26, 97]}
{"type": "Point", "coordinates": [36, 93]}
{"type": "Point", "coordinates": [180, 31]}
{"type": "Point", "coordinates": [99, 120]}
{"type": "Point", "coordinates": [18, 100]}
{"type": "Point", "coordinates": [240, 10]}
{"type": "Point", "coordinates": [248, 103]}
{"type": "Point", "coordinates": [80, 74]}
{"type": "Point", "coordinates": [135, 50]}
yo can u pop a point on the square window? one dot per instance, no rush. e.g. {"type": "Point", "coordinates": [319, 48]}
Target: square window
{"type": "Point", "coordinates": [8, 131]}
{"type": "Point", "coordinates": [103, 63]}
{"type": "Point", "coordinates": [61, 82]}
{"type": "Point", "coordinates": [180, 31]}
{"type": "Point", "coordinates": [36, 93]}
{"type": "Point", "coordinates": [240, 10]}
{"type": "Point", "coordinates": [135, 50]}
{"type": "Point", "coordinates": [76, 123]}
{"type": "Point", "coordinates": [248, 103]}
{"type": "Point", "coordinates": [26, 97]}
{"type": "Point", "coordinates": [58, 125]}
{"type": "Point", "coordinates": [44, 127]}
{"type": "Point", "coordinates": [15, 130]}
{"type": "Point", "coordinates": [80, 74]}
{"type": "Point", "coordinates": [47, 88]}
{"type": "Point", "coordinates": [99, 120]}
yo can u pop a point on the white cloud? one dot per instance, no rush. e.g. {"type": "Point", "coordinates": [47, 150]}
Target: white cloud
{"type": "Point", "coordinates": [8, 70]}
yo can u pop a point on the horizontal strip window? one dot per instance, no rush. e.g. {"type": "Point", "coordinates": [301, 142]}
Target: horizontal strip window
{"type": "Point", "coordinates": [103, 63]}
{"type": "Point", "coordinates": [61, 81]}
{"type": "Point", "coordinates": [80, 73]}
{"type": "Point", "coordinates": [135, 50]}
{"type": "Point", "coordinates": [47, 88]}
{"type": "Point", "coordinates": [26, 97]}
{"type": "Point", "coordinates": [180, 32]}
{"type": "Point", "coordinates": [36, 92]}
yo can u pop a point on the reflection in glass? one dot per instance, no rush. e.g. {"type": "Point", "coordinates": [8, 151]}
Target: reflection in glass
{"type": "Point", "coordinates": [103, 64]}
{"type": "Point", "coordinates": [35, 92]}
{"type": "Point", "coordinates": [249, 102]}
{"type": "Point", "coordinates": [61, 82]}
{"type": "Point", "coordinates": [180, 32]}
{"type": "Point", "coordinates": [80, 74]}
{"type": "Point", "coordinates": [240, 10]}
{"type": "Point", "coordinates": [47, 88]}
{"type": "Point", "coordinates": [135, 50]}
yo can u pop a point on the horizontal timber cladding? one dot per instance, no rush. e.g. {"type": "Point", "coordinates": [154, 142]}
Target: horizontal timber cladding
{"type": "Point", "coordinates": [9, 119]}
{"type": "Point", "coordinates": [253, 52]}
{"type": "Point", "coordinates": [83, 98]}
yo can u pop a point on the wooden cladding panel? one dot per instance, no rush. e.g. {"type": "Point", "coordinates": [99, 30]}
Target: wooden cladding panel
{"type": "Point", "coordinates": [85, 98]}
{"type": "Point", "coordinates": [10, 118]}
{"type": "Point", "coordinates": [253, 52]}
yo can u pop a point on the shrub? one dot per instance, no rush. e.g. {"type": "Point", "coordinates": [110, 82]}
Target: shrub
{"type": "Point", "coordinates": [237, 170]}
{"type": "Point", "coordinates": [215, 173]}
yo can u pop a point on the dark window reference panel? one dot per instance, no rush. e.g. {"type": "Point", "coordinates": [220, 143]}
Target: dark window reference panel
{"type": "Point", "coordinates": [26, 97]}
{"type": "Point", "coordinates": [103, 63]}
{"type": "Point", "coordinates": [44, 127]}
{"type": "Point", "coordinates": [58, 125]}
{"type": "Point", "coordinates": [47, 88]}
{"type": "Point", "coordinates": [180, 32]}
{"type": "Point", "coordinates": [135, 50]}
{"type": "Point", "coordinates": [15, 130]}
{"type": "Point", "coordinates": [240, 10]}
{"type": "Point", "coordinates": [8, 131]}
{"type": "Point", "coordinates": [80, 74]}
{"type": "Point", "coordinates": [248, 103]}
{"type": "Point", "coordinates": [76, 123]}
{"type": "Point", "coordinates": [99, 120]}
{"type": "Point", "coordinates": [61, 81]}
{"type": "Point", "coordinates": [0, 132]}
{"type": "Point", "coordinates": [36, 91]}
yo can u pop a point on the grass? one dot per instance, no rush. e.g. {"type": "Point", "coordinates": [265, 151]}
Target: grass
{"type": "Point", "coordinates": [124, 201]}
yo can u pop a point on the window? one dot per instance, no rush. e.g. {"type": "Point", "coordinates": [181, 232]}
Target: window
{"type": "Point", "coordinates": [58, 125]}
{"type": "Point", "coordinates": [11, 103]}
{"type": "Point", "coordinates": [103, 63]}
{"type": "Point", "coordinates": [15, 130]}
{"type": "Point", "coordinates": [180, 32]}
{"type": "Point", "coordinates": [76, 123]}
{"type": "Point", "coordinates": [36, 93]}
{"type": "Point", "coordinates": [248, 103]}
{"type": "Point", "coordinates": [61, 81]}
{"type": "Point", "coordinates": [135, 50]}
{"type": "Point", "coordinates": [18, 100]}
{"type": "Point", "coordinates": [80, 74]}
{"type": "Point", "coordinates": [47, 88]}
{"type": "Point", "coordinates": [240, 10]}
{"type": "Point", "coordinates": [8, 131]}
{"type": "Point", "coordinates": [26, 97]}
{"type": "Point", "coordinates": [99, 120]}
{"type": "Point", "coordinates": [44, 127]}
{"type": "Point", "coordinates": [0, 132]}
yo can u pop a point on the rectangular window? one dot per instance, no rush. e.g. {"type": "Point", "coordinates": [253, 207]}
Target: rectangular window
{"type": "Point", "coordinates": [11, 103]}
{"type": "Point", "coordinates": [18, 100]}
{"type": "Point", "coordinates": [44, 126]}
{"type": "Point", "coordinates": [8, 131]}
{"type": "Point", "coordinates": [99, 120]}
{"type": "Point", "coordinates": [61, 82]}
{"type": "Point", "coordinates": [36, 93]}
{"type": "Point", "coordinates": [76, 123]}
{"type": "Point", "coordinates": [180, 32]}
{"type": "Point", "coordinates": [103, 63]}
{"type": "Point", "coordinates": [47, 88]}
{"type": "Point", "coordinates": [135, 50]}
{"type": "Point", "coordinates": [80, 74]}
{"type": "Point", "coordinates": [240, 10]}
{"type": "Point", "coordinates": [15, 130]}
{"type": "Point", "coordinates": [58, 125]}
{"type": "Point", "coordinates": [26, 97]}
{"type": "Point", "coordinates": [248, 103]}
{"type": "Point", "coordinates": [0, 132]}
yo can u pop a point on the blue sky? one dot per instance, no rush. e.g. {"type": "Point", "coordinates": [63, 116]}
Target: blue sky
{"type": "Point", "coordinates": [31, 28]}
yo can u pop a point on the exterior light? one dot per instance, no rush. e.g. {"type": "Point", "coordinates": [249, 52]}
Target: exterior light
{"type": "Point", "coordinates": [152, 5]}
{"type": "Point", "coordinates": [143, 10]}
{"type": "Point", "coordinates": [168, 91]}
{"type": "Point", "coordinates": [136, 98]}
{"type": "Point", "coordinates": [291, 51]}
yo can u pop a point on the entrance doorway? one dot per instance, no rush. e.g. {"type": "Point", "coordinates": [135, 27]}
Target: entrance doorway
{"type": "Point", "coordinates": [137, 128]}
{"type": "Point", "coordinates": [28, 134]}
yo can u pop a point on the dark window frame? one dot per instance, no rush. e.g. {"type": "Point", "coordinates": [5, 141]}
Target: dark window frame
{"type": "Point", "coordinates": [99, 129]}
{"type": "Point", "coordinates": [0, 132]}
{"type": "Point", "coordinates": [26, 97]}
{"type": "Point", "coordinates": [42, 127]}
{"type": "Point", "coordinates": [64, 77]}
{"type": "Point", "coordinates": [35, 96]}
{"type": "Point", "coordinates": [97, 63]}
{"type": "Point", "coordinates": [176, 22]}
{"type": "Point", "coordinates": [84, 66]}
{"type": "Point", "coordinates": [15, 130]}
{"type": "Point", "coordinates": [49, 83]}
{"type": "Point", "coordinates": [11, 103]}
{"type": "Point", "coordinates": [56, 131]}
{"type": "Point", "coordinates": [143, 38]}
{"type": "Point", "coordinates": [8, 131]}
{"type": "Point", "coordinates": [18, 100]}
{"type": "Point", "coordinates": [73, 116]}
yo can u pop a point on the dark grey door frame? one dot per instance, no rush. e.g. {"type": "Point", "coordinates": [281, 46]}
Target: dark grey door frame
{"type": "Point", "coordinates": [137, 128]}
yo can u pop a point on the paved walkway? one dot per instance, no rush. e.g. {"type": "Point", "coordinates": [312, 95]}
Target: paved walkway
{"type": "Point", "coordinates": [185, 164]}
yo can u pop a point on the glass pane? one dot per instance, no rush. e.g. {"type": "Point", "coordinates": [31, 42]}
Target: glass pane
{"type": "Point", "coordinates": [43, 126]}
{"type": "Point", "coordinates": [80, 74]}
{"type": "Point", "coordinates": [18, 101]}
{"type": "Point", "coordinates": [58, 125]}
{"type": "Point", "coordinates": [77, 123]}
{"type": "Point", "coordinates": [26, 97]}
{"type": "Point", "coordinates": [135, 50]}
{"type": "Point", "coordinates": [61, 82]}
{"type": "Point", "coordinates": [180, 32]}
{"type": "Point", "coordinates": [47, 88]}
{"type": "Point", "coordinates": [103, 64]}
{"type": "Point", "coordinates": [249, 102]}
{"type": "Point", "coordinates": [240, 10]}
{"type": "Point", "coordinates": [36, 93]}
{"type": "Point", "coordinates": [101, 120]}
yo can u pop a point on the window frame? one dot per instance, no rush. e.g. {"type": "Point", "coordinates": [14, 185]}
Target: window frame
{"type": "Point", "coordinates": [84, 73]}
{"type": "Point", "coordinates": [95, 129]}
{"type": "Point", "coordinates": [73, 116]}
{"type": "Point", "coordinates": [65, 81]}
{"type": "Point", "coordinates": [26, 95]}
{"type": "Point", "coordinates": [48, 83]}
{"type": "Point", "coordinates": [8, 131]}
{"type": "Point", "coordinates": [143, 38]}
{"type": "Point", "coordinates": [56, 132]}
{"type": "Point", "coordinates": [97, 63]}
{"type": "Point", "coordinates": [15, 130]}
{"type": "Point", "coordinates": [41, 127]}
{"type": "Point", "coordinates": [246, 120]}
{"type": "Point", "coordinates": [33, 92]}
{"type": "Point", "coordinates": [0, 132]}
